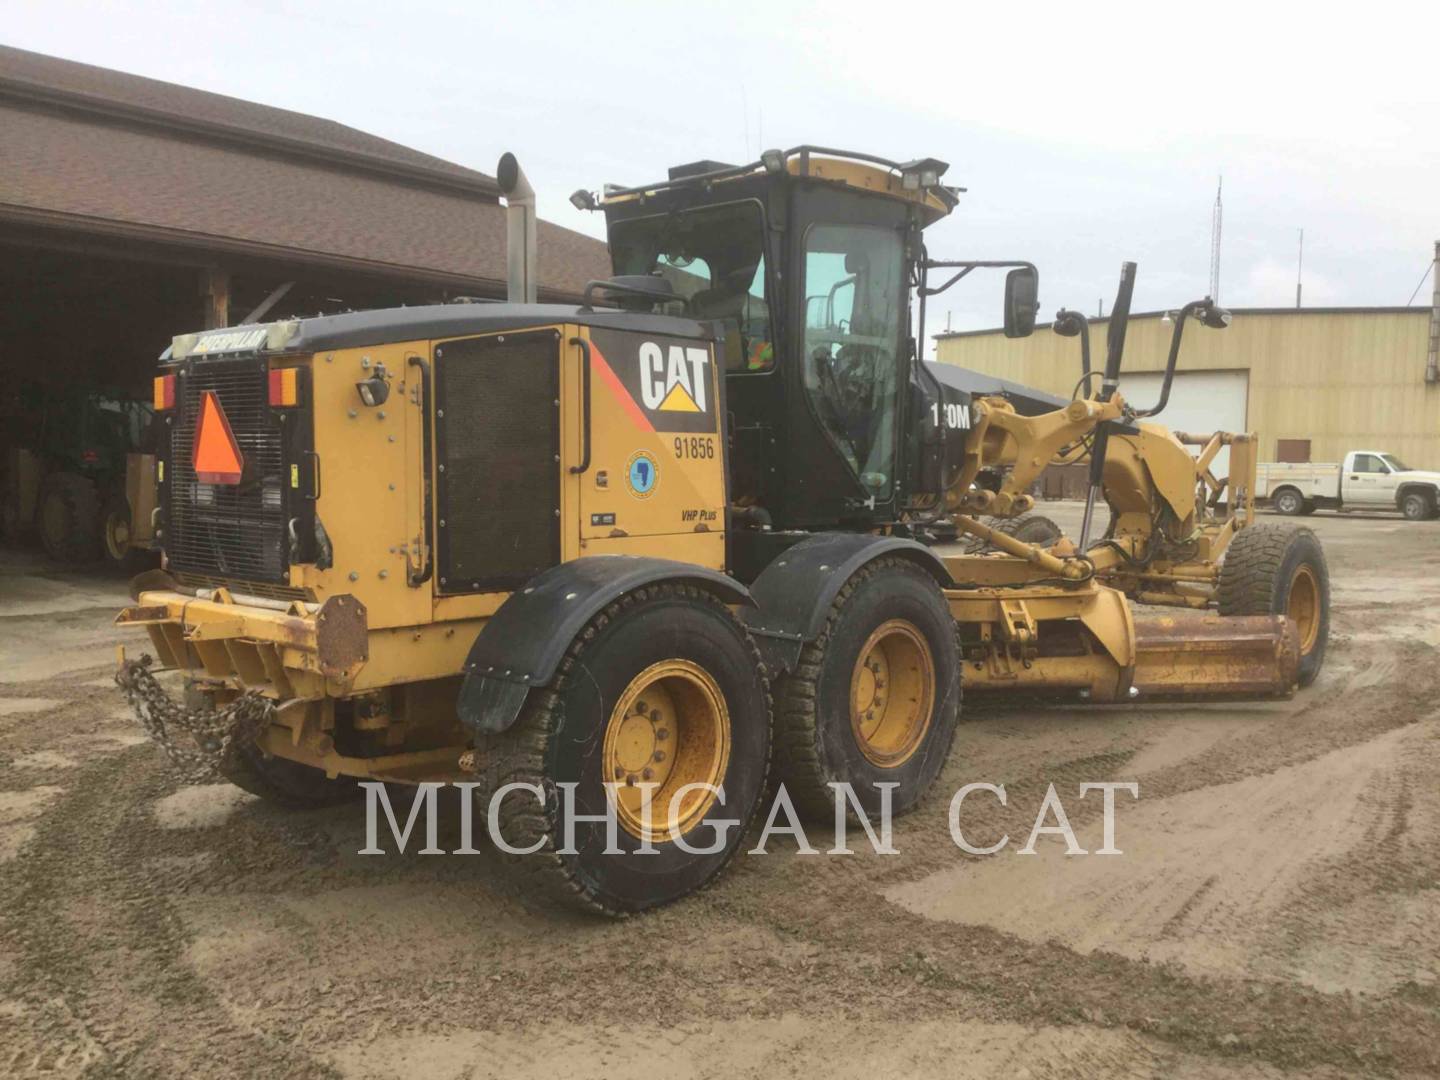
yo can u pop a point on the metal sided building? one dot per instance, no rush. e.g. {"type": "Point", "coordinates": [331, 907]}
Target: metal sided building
{"type": "Point", "coordinates": [1312, 383]}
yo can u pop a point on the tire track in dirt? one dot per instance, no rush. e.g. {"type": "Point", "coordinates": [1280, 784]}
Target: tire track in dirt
{"type": "Point", "coordinates": [255, 942]}
{"type": "Point", "coordinates": [97, 944]}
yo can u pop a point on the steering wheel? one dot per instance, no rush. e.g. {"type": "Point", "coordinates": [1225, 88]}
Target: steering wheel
{"type": "Point", "coordinates": [855, 378]}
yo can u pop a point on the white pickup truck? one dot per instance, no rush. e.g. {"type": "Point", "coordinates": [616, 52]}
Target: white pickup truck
{"type": "Point", "coordinates": [1366, 480]}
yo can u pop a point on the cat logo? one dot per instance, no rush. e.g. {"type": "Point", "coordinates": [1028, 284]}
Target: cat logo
{"type": "Point", "coordinates": [673, 383]}
{"type": "Point", "coordinates": [663, 383]}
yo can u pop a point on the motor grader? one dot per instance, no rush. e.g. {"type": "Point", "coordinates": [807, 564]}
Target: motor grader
{"type": "Point", "coordinates": [654, 549]}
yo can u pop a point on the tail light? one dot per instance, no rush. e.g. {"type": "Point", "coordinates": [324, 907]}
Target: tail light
{"type": "Point", "coordinates": [164, 392]}
{"type": "Point", "coordinates": [284, 389]}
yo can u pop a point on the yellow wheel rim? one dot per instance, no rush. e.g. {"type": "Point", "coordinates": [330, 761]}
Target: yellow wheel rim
{"type": "Point", "coordinates": [670, 728]}
{"type": "Point", "coordinates": [1303, 607]}
{"type": "Point", "coordinates": [892, 694]}
{"type": "Point", "coordinates": [117, 536]}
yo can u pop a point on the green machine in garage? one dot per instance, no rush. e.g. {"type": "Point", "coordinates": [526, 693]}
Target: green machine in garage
{"type": "Point", "coordinates": [77, 474]}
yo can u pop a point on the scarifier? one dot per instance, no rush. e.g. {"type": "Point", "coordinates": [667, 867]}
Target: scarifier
{"type": "Point", "coordinates": [659, 544]}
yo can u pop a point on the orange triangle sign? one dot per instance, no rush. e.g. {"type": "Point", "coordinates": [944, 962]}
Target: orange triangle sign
{"type": "Point", "coordinates": [217, 456]}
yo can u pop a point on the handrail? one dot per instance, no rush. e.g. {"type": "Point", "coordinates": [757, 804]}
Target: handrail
{"type": "Point", "coordinates": [415, 577]}
{"type": "Point", "coordinates": [585, 406]}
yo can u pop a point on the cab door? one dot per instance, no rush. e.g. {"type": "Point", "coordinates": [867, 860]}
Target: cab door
{"type": "Point", "coordinates": [1369, 482]}
{"type": "Point", "coordinates": [848, 321]}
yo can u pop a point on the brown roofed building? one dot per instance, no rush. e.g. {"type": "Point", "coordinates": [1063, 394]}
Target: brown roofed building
{"type": "Point", "coordinates": [133, 209]}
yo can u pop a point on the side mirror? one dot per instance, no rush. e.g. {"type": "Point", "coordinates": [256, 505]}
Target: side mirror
{"type": "Point", "coordinates": [1022, 291]}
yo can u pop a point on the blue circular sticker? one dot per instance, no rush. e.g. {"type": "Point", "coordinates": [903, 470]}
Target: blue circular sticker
{"type": "Point", "coordinates": [642, 475]}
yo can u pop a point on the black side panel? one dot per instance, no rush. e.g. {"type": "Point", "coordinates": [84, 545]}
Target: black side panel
{"type": "Point", "coordinates": [497, 437]}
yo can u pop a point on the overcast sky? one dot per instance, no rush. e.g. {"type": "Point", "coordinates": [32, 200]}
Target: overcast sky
{"type": "Point", "coordinates": [1084, 135]}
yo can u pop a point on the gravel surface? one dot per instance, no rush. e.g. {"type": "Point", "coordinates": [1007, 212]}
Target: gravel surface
{"type": "Point", "coordinates": [1276, 911]}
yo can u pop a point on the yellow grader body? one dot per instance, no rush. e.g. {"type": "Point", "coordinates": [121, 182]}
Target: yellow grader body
{"type": "Point", "coordinates": [625, 549]}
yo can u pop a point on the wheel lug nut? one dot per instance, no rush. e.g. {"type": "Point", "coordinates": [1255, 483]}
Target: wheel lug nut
{"type": "Point", "coordinates": [619, 773]}
{"type": "Point", "coordinates": [646, 773]}
{"type": "Point", "coordinates": [659, 755]}
{"type": "Point", "coordinates": [641, 707]}
{"type": "Point", "coordinates": [661, 734]}
{"type": "Point", "coordinates": [630, 780]}
{"type": "Point", "coordinates": [879, 684]}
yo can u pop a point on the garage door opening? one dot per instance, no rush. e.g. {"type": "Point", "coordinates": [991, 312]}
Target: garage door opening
{"type": "Point", "coordinates": [1200, 402]}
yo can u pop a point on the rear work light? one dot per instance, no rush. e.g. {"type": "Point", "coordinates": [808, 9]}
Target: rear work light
{"type": "Point", "coordinates": [284, 388]}
{"type": "Point", "coordinates": [164, 392]}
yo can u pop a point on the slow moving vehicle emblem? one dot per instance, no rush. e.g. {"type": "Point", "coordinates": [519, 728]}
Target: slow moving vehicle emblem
{"type": "Point", "coordinates": [217, 458]}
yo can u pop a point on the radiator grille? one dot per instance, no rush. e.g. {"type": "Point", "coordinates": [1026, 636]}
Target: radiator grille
{"type": "Point", "coordinates": [233, 531]}
{"type": "Point", "coordinates": [498, 442]}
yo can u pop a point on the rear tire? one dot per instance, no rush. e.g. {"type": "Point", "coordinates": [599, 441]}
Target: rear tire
{"type": "Point", "coordinates": [15, 531]}
{"type": "Point", "coordinates": [648, 692]}
{"type": "Point", "coordinates": [1027, 528]}
{"type": "Point", "coordinates": [1289, 502]}
{"type": "Point", "coordinates": [286, 784]}
{"type": "Point", "coordinates": [1417, 506]}
{"type": "Point", "coordinates": [69, 519]}
{"type": "Point", "coordinates": [1280, 570]}
{"type": "Point", "coordinates": [875, 698]}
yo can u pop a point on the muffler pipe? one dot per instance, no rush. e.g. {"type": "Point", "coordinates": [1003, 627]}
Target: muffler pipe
{"type": "Point", "coordinates": [519, 230]}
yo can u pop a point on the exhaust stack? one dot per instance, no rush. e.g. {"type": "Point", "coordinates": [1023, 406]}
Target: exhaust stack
{"type": "Point", "coordinates": [519, 230]}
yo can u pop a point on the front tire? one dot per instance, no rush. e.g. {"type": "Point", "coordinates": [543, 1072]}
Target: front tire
{"type": "Point", "coordinates": [1281, 570]}
{"type": "Point", "coordinates": [69, 519]}
{"type": "Point", "coordinates": [15, 531]}
{"type": "Point", "coordinates": [1417, 506]}
{"type": "Point", "coordinates": [116, 538]}
{"type": "Point", "coordinates": [664, 687]}
{"type": "Point", "coordinates": [875, 698]}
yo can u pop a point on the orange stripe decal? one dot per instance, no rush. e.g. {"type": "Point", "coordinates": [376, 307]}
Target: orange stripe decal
{"type": "Point", "coordinates": [618, 388]}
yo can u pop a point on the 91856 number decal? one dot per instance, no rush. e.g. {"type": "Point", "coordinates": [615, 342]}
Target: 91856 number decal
{"type": "Point", "coordinates": [696, 447]}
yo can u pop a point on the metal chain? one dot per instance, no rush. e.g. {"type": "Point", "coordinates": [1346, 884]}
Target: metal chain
{"type": "Point", "coordinates": [216, 735]}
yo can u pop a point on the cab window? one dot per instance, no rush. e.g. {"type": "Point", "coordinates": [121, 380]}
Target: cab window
{"type": "Point", "coordinates": [714, 257]}
{"type": "Point", "coordinates": [854, 315]}
{"type": "Point", "coordinates": [1369, 463]}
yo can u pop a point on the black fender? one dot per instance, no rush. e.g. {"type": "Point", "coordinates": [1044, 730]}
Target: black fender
{"type": "Point", "coordinates": [794, 592]}
{"type": "Point", "coordinates": [523, 643]}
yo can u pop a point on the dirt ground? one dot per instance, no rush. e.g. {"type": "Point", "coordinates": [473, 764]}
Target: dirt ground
{"type": "Point", "coordinates": [1276, 910]}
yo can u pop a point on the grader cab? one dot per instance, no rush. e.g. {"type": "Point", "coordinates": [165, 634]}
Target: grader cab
{"type": "Point", "coordinates": [629, 558]}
